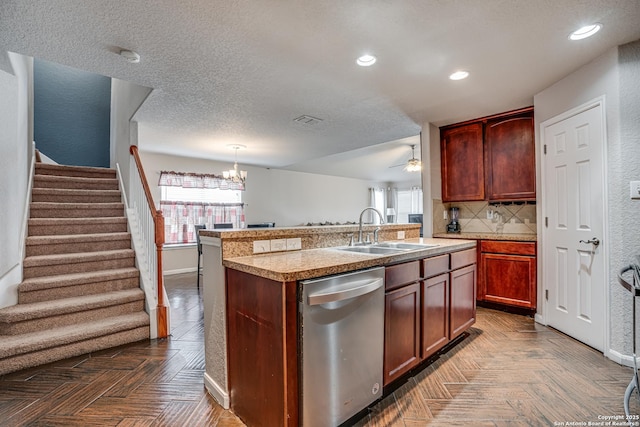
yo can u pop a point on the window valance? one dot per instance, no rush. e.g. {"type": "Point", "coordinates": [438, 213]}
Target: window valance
{"type": "Point", "coordinates": [197, 180]}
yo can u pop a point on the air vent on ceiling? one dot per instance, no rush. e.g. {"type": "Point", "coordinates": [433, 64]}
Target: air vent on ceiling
{"type": "Point", "coordinates": [307, 120]}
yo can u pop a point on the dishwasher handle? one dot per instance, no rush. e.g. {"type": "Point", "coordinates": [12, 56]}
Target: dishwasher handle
{"type": "Point", "coordinates": [356, 291]}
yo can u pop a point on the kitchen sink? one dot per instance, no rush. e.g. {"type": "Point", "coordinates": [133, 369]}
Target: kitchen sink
{"type": "Point", "coordinates": [372, 249]}
{"type": "Point", "coordinates": [386, 248]}
{"type": "Point", "coordinates": [404, 246]}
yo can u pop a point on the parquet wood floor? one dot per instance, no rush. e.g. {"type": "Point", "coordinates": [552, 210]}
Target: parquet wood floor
{"type": "Point", "coordinates": [509, 371]}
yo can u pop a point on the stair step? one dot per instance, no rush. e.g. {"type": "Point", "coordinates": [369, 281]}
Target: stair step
{"type": "Point", "coordinates": [61, 226]}
{"type": "Point", "coordinates": [46, 288]}
{"type": "Point", "coordinates": [23, 351]}
{"type": "Point", "coordinates": [78, 171]}
{"type": "Point", "coordinates": [56, 181]}
{"type": "Point", "coordinates": [75, 210]}
{"type": "Point", "coordinates": [65, 244]}
{"type": "Point", "coordinates": [40, 316]}
{"type": "Point", "coordinates": [52, 265]}
{"type": "Point", "coordinates": [66, 195]}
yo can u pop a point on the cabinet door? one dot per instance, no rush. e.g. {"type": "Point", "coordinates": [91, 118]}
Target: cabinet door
{"type": "Point", "coordinates": [435, 314]}
{"type": "Point", "coordinates": [510, 158]}
{"type": "Point", "coordinates": [401, 331]}
{"type": "Point", "coordinates": [462, 161]}
{"type": "Point", "coordinates": [463, 300]}
{"type": "Point", "coordinates": [509, 279]}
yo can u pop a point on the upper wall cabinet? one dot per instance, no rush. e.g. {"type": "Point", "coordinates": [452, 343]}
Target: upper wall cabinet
{"type": "Point", "coordinates": [462, 163]}
{"type": "Point", "coordinates": [510, 158]}
{"type": "Point", "coordinates": [491, 158]}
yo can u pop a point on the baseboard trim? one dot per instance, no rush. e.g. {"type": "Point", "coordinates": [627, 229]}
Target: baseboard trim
{"type": "Point", "coordinates": [179, 271]}
{"type": "Point", "coordinates": [221, 396]}
{"type": "Point", "coordinates": [621, 359]}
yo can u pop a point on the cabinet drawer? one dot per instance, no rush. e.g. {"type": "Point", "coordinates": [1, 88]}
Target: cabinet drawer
{"type": "Point", "coordinates": [505, 247]}
{"type": "Point", "coordinates": [435, 265]}
{"type": "Point", "coordinates": [463, 258]}
{"type": "Point", "coordinates": [401, 274]}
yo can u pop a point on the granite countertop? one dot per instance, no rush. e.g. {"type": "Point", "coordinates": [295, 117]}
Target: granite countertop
{"type": "Point", "coordinates": [312, 263]}
{"type": "Point", "coordinates": [275, 232]}
{"type": "Point", "coordinates": [488, 236]}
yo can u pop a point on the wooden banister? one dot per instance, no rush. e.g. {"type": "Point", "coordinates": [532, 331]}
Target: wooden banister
{"type": "Point", "coordinates": [158, 221]}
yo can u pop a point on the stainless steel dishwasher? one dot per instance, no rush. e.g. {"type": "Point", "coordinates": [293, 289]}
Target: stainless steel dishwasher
{"type": "Point", "coordinates": [342, 335]}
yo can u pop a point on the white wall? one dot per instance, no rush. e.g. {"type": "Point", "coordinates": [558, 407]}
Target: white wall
{"type": "Point", "coordinates": [126, 99]}
{"type": "Point", "coordinates": [295, 198]}
{"type": "Point", "coordinates": [272, 195]}
{"type": "Point", "coordinates": [180, 259]}
{"type": "Point", "coordinates": [16, 134]}
{"type": "Point", "coordinates": [431, 179]}
{"type": "Point", "coordinates": [285, 197]}
{"type": "Point", "coordinates": [614, 75]}
{"type": "Point", "coordinates": [624, 166]}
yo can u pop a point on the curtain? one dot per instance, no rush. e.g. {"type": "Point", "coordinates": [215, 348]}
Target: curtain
{"type": "Point", "coordinates": [393, 203]}
{"type": "Point", "coordinates": [180, 218]}
{"type": "Point", "coordinates": [197, 180]}
{"type": "Point", "coordinates": [416, 200]}
{"type": "Point", "coordinates": [376, 200]}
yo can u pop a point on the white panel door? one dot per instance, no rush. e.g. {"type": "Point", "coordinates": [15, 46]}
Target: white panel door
{"type": "Point", "coordinates": [573, 200]}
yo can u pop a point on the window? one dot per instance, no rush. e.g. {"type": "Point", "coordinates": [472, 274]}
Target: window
{"type": "Point", "coordinates": [409, 202]}
{"type": "Point", "coordinates": [184, 207]}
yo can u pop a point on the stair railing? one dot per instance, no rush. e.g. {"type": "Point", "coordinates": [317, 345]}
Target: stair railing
{"type": "Point", "coordinates": [150, 224]}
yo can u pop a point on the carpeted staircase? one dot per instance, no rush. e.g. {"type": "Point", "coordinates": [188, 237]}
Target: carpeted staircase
{"type": "Point", "coordinates": [81, 288]}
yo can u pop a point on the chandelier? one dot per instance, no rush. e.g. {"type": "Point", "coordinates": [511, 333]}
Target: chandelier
{"type": "Point", "coordinates": [234, 174]}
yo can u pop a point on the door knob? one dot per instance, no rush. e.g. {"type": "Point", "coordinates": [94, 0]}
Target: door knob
{"type": "Point", "coordinates": [595, 241]}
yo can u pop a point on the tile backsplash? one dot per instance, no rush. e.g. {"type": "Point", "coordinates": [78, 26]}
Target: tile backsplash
{"type": "Point", "coordinates": [482, 217]}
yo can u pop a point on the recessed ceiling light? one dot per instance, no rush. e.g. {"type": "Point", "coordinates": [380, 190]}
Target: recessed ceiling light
{"type": "Point", "coordinates": [366, 60]}
{"type": "Point", "coordinates": [459, 75]}
{"type": "Point", "coordinates": [584, 32]}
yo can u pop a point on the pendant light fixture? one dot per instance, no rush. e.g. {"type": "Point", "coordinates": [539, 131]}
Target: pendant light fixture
{"type": "Point", "coordinates": [234, 174]}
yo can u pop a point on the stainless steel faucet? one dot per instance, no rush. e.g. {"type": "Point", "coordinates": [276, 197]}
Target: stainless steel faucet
{"type": "Point", "coordinates": [360, 242]}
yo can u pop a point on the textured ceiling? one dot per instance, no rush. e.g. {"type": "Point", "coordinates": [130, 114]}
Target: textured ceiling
{"type": "Point", "coordinates": [239, 72]}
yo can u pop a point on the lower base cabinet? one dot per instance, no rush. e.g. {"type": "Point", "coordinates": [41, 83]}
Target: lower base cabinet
{"type": "Point", "coordinates": [402, 331]}
{"type": "Point", "coordinates": [435, 314]}
{"type": "Point", "coordinates": [426, 308]}
{"type": "Point", "coordinates": [507, 273]}
{"type": "Point", "coordinates": [463, 300]}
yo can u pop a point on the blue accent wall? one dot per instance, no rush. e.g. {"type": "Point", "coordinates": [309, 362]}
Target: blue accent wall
{"type": "Point", "coordinates": [72, 114]}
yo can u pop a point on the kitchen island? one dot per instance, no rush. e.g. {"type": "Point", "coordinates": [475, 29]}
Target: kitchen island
{"type": "Point", "coordinates": [262, 295]}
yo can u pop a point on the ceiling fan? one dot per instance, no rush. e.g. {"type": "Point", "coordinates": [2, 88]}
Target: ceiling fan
{"type": "Point", "coordinates": [413, 164]}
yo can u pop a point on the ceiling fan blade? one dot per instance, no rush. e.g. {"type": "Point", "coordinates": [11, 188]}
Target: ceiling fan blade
{"type": "Point", "coordinates": [397, 166]}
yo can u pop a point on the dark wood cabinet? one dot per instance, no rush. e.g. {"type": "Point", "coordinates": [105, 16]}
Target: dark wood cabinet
{"type": "Point", "coordinates": [462, 312]}
{"type": "Point", "coordinates": [491, 158]}
{"type": "Point", "coordinates": [435, 304]}
{"type": "Point", "coordinates": [508, 273]}
{"type": "Point", "coordinates": [463, 300]}
{"type": "Point", "coordinates": [510, 158]}
{"type": "Point", "coordinates": [462, 163]}
{"type": "Point", "coordinates": [262, 349]}
{"type": "Point", "coordinates": [402, 331]}
{"type": "Point", "coordinates": [435, 314]}
{"type": "Point", "coordinates": [423, 309]}
{"type": "Point", "coordinates": [402, 319]}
